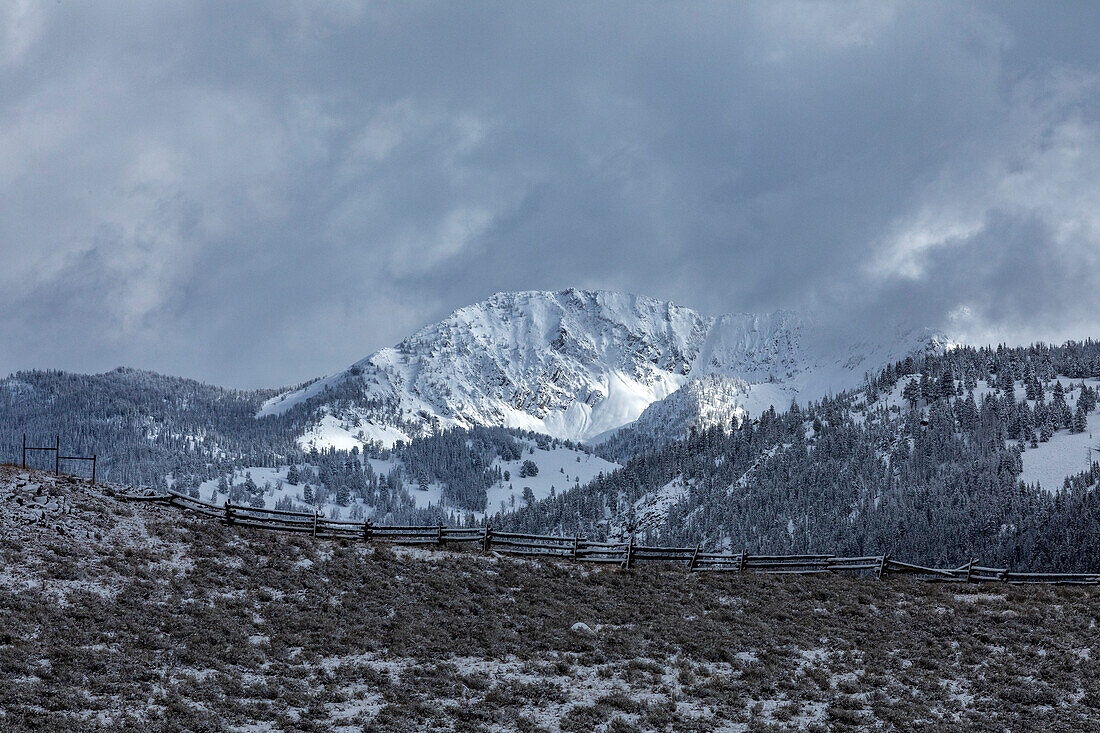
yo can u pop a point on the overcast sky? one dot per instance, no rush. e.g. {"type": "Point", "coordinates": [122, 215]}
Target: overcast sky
{"type": "Point", "coordinates": [254, 194]}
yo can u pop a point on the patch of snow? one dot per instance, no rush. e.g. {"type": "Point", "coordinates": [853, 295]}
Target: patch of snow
{"type": "Point", "coordinates": [1066, 453]}
{"type": "Point", "coordinates": [560, 469]}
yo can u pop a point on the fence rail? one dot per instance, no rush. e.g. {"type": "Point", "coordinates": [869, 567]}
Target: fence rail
{"type": "Point", "coordinates": [624, 554]}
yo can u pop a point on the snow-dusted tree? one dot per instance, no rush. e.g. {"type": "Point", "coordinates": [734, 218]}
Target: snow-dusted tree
{"type": "Point", "coordinates": [1080, 418]}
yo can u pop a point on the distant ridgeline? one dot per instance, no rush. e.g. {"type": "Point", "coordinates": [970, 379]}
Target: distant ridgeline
{"type": "Point", "coordinates": [926, 460]}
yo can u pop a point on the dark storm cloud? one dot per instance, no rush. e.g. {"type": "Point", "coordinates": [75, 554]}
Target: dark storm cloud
{"type": "Point", "coordinates": [258, 193]}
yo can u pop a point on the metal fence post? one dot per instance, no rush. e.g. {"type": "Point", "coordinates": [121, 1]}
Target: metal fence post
{"type": "Point", "coordinates": [57, 457]}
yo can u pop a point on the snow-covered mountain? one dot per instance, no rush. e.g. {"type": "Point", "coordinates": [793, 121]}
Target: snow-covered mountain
{"type": "Point", "coordinates": [579, 364]}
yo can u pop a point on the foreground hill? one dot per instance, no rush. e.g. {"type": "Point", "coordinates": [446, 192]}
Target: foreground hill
{"type": "Point", "coordinates": [125, 617]}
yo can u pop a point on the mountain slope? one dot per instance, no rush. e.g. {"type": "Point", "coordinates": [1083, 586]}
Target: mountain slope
{"type": "Point", "coordinates": [968, 453]}
{"type": "Point", "coordinates": [580, 364]}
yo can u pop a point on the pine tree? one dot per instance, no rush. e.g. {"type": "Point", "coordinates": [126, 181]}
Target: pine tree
{"type": "Point", "coordinates": [292, 475]}
{"type": "Point", "coordinates": [1080, 421]}
{"type": "Point", "coordinates": [307, 494]}
{"type": "Point", "coordinates": [1046, 428]}
{"type": "Point", "coordinates": [947, 384]}
{"type": "Point", "coordinates": [911, 392]}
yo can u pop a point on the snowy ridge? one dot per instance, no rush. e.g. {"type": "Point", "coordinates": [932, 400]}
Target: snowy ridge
{"type": "Point", "coordinates": [579, 364]}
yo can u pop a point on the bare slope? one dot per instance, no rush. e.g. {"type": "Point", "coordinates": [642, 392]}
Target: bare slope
{"type": "Point", "coordinates": [138, 619]}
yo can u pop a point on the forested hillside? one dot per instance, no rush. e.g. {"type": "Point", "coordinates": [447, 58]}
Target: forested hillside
{"type": "Point", "coordinates": [143, 426]}
{"type": "Point", "coordinates": [925, 461]}
{"type": "Point", "coordinates": [153, 430]}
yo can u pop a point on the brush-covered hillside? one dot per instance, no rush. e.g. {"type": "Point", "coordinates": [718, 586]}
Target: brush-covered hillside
{"type": "Point", "coordinates": [117, 616]}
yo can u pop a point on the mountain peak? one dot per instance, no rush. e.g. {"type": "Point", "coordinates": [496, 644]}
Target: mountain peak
{"type": "Point", "coordinates": [574, 364]}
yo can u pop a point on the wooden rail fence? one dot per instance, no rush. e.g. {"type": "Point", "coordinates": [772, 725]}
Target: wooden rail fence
{"type": "Point", "coordinates": [57, 457]}
{"type": "Point", "coordinates": [625, 554]}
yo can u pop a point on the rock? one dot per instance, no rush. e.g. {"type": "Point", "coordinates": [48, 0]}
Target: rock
{"type": "Point", "coordinates": [582, 629]}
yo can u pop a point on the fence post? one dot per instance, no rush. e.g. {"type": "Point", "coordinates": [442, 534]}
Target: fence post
{"type": "Point", "coordinates": [743, 561]}
{"type": "Point", "coordinates": [314, 533]}
{"type": "Point", "coordinates": [629, 553]}
{"type": "Point", "coordinates": [881, 567]}
{"type": "Point", "coordinates": [93, 469]}
{"type": "Point", "coordinates": [486, 537]}
{"type": "Point", "coordinates": [228, 512]}
{"type": "Point", "coordinates": [368, 531]}
{"type": "Point", "coordinates": [24, 450]}
{"type": "Point", "coordinates": [969, 570]}
{"type": "Point", "coordinates": [576, 541]}
{"type": "Point", "coordinates": [694, 558]}
{"type": "Point", "coordinates": [57, 457]}
{"type": "Point", "coordinates": [439, 534]}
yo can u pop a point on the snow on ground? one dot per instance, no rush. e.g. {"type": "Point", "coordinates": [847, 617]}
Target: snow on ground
{"type": "Point", "coordinates": [1066, 453]}
{"type": "Point", "coordinates": [651, 510]}
{"type": "Point", "coordinates": [559, 468]}
{"type": "Point", "coordinates": [332, 433]}
{"type": "Point", "coordinates": [280, 403]}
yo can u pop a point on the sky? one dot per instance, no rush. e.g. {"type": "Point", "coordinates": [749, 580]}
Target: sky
{"type": "Point", "coordinates": [257, 193]}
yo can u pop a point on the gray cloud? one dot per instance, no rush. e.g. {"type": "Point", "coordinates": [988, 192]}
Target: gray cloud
{"type": "Point", "coordinates": [257, 193]}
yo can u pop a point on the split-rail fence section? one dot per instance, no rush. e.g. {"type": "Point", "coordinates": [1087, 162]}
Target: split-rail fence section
{"type": "Point", "coordinates": [625, 554]}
